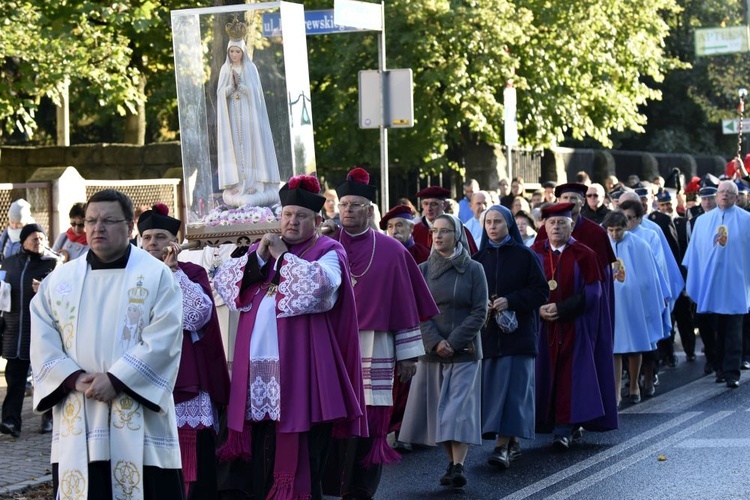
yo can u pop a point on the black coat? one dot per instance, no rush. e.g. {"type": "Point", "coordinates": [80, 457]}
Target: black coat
{"type": "Point", "coordinates": [670, 232]}
{"type": "Point", "coordinates": [20, 269]}
{"type": "Point", "coordinates": [514, 272]}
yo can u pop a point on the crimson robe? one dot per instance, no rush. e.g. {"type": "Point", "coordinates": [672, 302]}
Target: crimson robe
{"type": "Point", "coordinates": [575, 380]}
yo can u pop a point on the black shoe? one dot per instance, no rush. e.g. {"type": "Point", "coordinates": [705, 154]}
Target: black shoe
{"type": "Point", "coordinates": [10, 429]}
{"type": "Point", "coordinates": [672, 361]}
{"type": "Point", "coordinates": [514, 450]}
{"type": "Point", "coordinates": [635, 399]}
{"type": "Point", "coordinates": [561, 443]}
{"type": "Point", "coordinates": [733, 384]}
{"type": "Point", "coordinates": [708, 369]}
{"type": "Point", "coordinates": [690, 357]}
{"type": "Point", "coordinates": [500, 457]}
{"type": "Point", "coordinates": [459, 477]}
{"type": "Point", "coordinates": [720, 380]}
{"type": "Point", "coordinates": [745, 365]}
{"type": "Point", "coordinates": [446, 478]}
{"type": "Point", "coordinates": [649, 391]}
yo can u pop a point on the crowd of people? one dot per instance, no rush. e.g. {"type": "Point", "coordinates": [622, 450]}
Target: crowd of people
{"type": "Point", "coordinates": [498, 317]}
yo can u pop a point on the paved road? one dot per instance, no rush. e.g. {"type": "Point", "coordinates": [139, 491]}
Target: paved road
{"type": "Point", "coordinates": [24, 461]}
{"type": "Point", "coordinates": [700, 428]}
{"type": "Point", "coordinates": [691, 441]}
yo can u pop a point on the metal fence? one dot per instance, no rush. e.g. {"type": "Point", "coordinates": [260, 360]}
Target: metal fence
{"type": "Point", "coordinates": [39, 195]}
{"type": "Point", "coordinates": [145, 193]}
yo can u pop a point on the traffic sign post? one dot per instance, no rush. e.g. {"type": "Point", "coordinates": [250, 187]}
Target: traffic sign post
{"type": "Point", "coordinates": [371, 17]}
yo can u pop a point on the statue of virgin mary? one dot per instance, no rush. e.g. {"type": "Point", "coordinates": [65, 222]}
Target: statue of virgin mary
{"type": "Point", "coordinates": [247, 166]}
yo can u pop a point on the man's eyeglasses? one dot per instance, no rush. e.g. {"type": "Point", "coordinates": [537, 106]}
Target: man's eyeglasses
{"type": "Point", "coordinates": [592, 195]}
{"type": "Point", "coordinates": [353, 206]}
{"type": "Point", "coordinates": [103, 222]}
{"type": "Point", "coordinates": [77, 224]}
{"type": "Point", "coordinates": [442, 232]}
{"type": "Point", "coordinates": [631, 217]}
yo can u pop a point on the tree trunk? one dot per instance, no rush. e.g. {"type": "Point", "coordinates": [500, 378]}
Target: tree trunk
{"type": "Point", "coordinates": [135, 123]}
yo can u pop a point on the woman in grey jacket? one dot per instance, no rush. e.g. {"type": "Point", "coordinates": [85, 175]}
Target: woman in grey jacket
{"type": "Point", "coordinates": [444, 403]}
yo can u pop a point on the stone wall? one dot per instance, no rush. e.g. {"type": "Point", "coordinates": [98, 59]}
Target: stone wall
{"type": "Point", "coordinates": [93, 161]}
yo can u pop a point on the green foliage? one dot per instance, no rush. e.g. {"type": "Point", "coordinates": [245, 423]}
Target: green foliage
{"type": "Point", "coordinates": [104, 49]}
{"type": "Point", "coordinates": [695, 100]}
{"type": "Point", "coordinates": [582, 69]}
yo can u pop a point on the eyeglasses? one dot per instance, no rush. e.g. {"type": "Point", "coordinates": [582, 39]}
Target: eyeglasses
{"type": "Point", "coordinates": [77, 224]}
{"type": "Point", "coordinates": [631, 217]}
{"type": "Point", "coordinates": [441, 232]}
{"type": "Point", "coordinates": [353, 206]}
{"type": "Point", "coordinates": [592, 195]}
{"type": "Point", "coordinates": [103, 222]}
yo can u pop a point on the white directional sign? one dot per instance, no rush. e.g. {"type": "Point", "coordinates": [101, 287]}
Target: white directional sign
{"type": "Point", "coordinates": [362, 15]}
{"type": "Point", "coordinates": [715, 41]}
{"type": "Point", "coordinates": [729, 127]}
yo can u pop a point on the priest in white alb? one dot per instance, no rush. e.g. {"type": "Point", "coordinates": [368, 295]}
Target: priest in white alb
{"type": "Point", "coordinates": [106, 336]}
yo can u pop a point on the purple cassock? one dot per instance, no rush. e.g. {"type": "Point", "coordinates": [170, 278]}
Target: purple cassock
{"type": "Point", "coordinates": [575, 382]}
{"type": "Point", "coordinates": [320, 368]}
{"type": "Point", "coordinates": [392, 295]}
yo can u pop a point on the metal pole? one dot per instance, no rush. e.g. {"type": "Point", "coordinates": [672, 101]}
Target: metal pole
{"type": "Point", "coordinates": [510, 163]}
{"type": "Point", "coordinates": [63, 115]}
{"type": "Point", "coordinates": [384, 201]}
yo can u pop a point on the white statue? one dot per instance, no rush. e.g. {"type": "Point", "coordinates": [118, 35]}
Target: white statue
{"type": "Point", "coordinates": [248, 170]}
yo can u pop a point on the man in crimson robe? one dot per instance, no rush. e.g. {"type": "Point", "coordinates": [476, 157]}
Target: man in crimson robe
{"type": "Point", "coordinates": [202, 386]}
{"type": "Point", "coordinates": [574, 372]}
{"type": "Point", "coordinates": [433, 204]}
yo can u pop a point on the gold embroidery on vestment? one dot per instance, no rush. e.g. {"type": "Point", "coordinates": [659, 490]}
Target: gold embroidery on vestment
{"type": "Point", "coordinates": [72, 485]}
{"type": "Point", "coordinates": [125, 412]}
{"type": "Point", "coordinates": [127, 478]}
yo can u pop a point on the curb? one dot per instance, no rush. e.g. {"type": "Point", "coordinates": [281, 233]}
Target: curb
{"type": "Point", "coordinates": [17, 487]}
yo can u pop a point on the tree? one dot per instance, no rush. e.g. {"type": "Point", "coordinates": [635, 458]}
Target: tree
{"type": "Point", "coordinates": [697, 98]}
{"type": "Point", "coordinates": [45, 43]}
{"type": "Point", "coordinates": [583, 69]}
{"type": "Point", "coordinates": [108, 50]}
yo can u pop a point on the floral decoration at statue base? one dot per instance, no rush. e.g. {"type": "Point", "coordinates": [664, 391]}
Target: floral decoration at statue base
{"type": "Point", "coordinates": [237, 225]}
{"type": "Point", "coordinates": [245, 117]}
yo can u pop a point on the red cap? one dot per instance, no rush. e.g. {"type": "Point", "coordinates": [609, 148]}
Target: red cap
{"type": "Point", "coordinates": [571, 187]}
{"type": "Point", "coordinates": [437, 192]}
{"type": "Point", "coordinates": [399, 211]}
{"type": "Point", "coordinates": [558, 210]}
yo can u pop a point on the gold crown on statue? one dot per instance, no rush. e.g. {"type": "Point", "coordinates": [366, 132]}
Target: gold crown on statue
{"type": "Point", "coordinates": [236, 29]}
{"type": "Point", "coordinates": [138, 294]}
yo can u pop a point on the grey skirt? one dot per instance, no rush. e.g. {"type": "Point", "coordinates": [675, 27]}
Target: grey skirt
{"type": "Point", "coordinates": [444, 404]}
{"type": "Point", "coordinates": [508, 397]}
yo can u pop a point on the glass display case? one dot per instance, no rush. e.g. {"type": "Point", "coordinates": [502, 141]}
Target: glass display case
{"type": "Point", "coordinates": [243, 95]}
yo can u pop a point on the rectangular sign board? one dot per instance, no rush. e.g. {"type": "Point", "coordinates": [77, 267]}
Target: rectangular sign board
{"type": "Point", "coordinates": [729, 127]}
{"type": "Point", "coordinates": [363, 15]}
{"type": "Point", "coordinates": [398, 97]}
{"type": "Point", "coordinates": [317, 22]}
{"type": "Point", "coordinates": [716, 41]}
